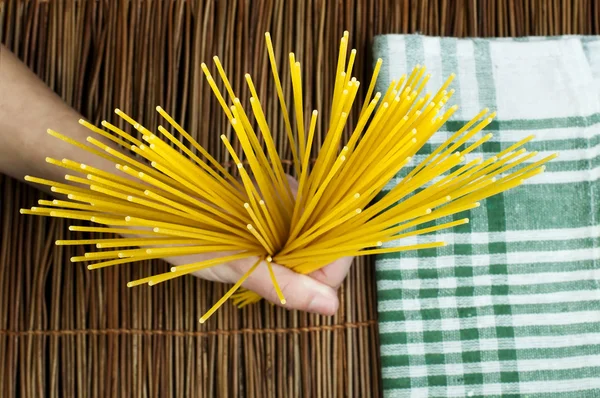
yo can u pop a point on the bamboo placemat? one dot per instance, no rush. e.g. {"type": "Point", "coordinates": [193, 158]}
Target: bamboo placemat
{"type": "Point", "coordinates": [67, 331]}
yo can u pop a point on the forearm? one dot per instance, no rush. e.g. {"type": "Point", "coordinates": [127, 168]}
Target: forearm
{"type": "Point", "coordinates": [27, 109]}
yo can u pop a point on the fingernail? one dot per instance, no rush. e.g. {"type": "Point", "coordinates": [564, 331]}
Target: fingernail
{"type": "Point", "coordinates": [324, 301]}
{"type": "Point", "coordinates": [321, 304]}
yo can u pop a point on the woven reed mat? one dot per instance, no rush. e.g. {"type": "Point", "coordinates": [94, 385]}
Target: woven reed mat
{"type": "Point", "coordinates": [66, 331]}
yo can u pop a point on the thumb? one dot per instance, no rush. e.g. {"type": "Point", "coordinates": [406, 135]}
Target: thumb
{"type": "Point", "coordinates": [301, 292]}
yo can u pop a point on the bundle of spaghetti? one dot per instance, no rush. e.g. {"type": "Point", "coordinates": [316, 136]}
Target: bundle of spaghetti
{"type": "Point", "coordinates": [171, 198]}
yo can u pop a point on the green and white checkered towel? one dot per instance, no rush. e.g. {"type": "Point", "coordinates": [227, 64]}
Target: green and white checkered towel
{"type": "Point", "coordinates": [511, 307]}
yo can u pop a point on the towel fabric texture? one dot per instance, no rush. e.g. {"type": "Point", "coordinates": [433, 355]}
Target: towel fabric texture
{"type": "Point", "coordinates": [511, 306]}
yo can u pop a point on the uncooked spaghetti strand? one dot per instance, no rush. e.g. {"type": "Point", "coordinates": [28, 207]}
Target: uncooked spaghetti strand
{"type": "Point", "coordinates": [421, 246]}
{"type": "Point", "coordinates": [280, 295]}
{"type": "Point", "coordinates": [224, 77]}
{"type": "Point", "coordinates": [233, 289]}
{"type": "Point", "coordinates": [371, 88]}
{"type": "Point", "coordinates": [284, 111]}
{"type": "Point", "coordinates": [298, 105]}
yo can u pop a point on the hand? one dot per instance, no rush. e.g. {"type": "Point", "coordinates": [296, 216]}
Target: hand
{"type": "Point", "coordinates": [315, 292]}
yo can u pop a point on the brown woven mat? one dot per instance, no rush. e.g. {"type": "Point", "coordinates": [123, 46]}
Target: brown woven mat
{"type": "Point", "coordinates": [66, 331]}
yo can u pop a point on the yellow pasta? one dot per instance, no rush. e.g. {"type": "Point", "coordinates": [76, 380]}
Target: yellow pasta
{"type": "Point", "coordinates": [168, 197]}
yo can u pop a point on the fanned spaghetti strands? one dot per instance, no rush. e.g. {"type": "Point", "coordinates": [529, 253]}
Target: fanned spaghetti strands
{"type": "Point", "coordinates": [235, 287]}
{"type": "Point", "coordinates": [313, 233]}
{"type": "Point", "coordinates": [215, 261]}
{"type": "Point", "coordinates": [385, 236]}
{"type": "Point", "coordinates": [195, 180]}
{"type": "Point", "coordinates": [254, 146]}
{"type": "Point", "coordinates": [245, 244]}
{"type": "Point", "coordinates": [147, 242]}
{"type": "Point", "coordinates": [126, 160]}
{"type": "Point", "coordinates": [313, 200]}
{"type": "Point", "coordinates": [447, 142]}
{"type": "Point", "coordinates": [298, 107]}
{"type": "Point", "coordinates": [174, 199]}
{"type": "Point", "coordinates": [85, 181]}
{"type": "Point", "coordinates": [127, 118]}
{"type": "Point", "coordinates": [121, 133]}
{"type": "Point", "coordinates": [103, 182]}
{"type": "Point", "coordinates": [265, 183]}
{"type": "Point", "coordinates": [198, 147]}
{"type": "Point", "coordinates": [201, 233]}
{"type": "Point", "coordinates": [325, 157]}
{"type": "Point", "coordinates": [271, 150]}
{"type": "Point", "coordinates": [58, 185]}
{"type": "Point", "coordinates": [304, 172]}
{"type": "Point", "coordinates": [77, 144]}
{"type": "Point", "coordinates": [262, 227]}
{"type": "Point", "coordinates": [284, 111]}
{"type": "Point", "coordinates": [104, 134]}
{"type": "Point", "coordinates": [216, 91]}
{"type": "Point", "coordinates": [270, 249]}
{"type": "Point", "coordinates": [116, 242]}
{"type": "Point", "coordinates": [221, 218]}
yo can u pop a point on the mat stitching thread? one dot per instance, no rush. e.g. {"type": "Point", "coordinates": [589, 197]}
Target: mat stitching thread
{"type": "Point", "coordinates": [176, 333]}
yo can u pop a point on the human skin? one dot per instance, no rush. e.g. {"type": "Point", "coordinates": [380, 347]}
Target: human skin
{"type": "Point", "coordinates": [28, 108]}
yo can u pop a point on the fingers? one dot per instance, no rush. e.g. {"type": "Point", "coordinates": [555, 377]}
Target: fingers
{"type": "Point", "coordinates": [300, 291]}
{"type": "Point", "coordinates": [334, 274]}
